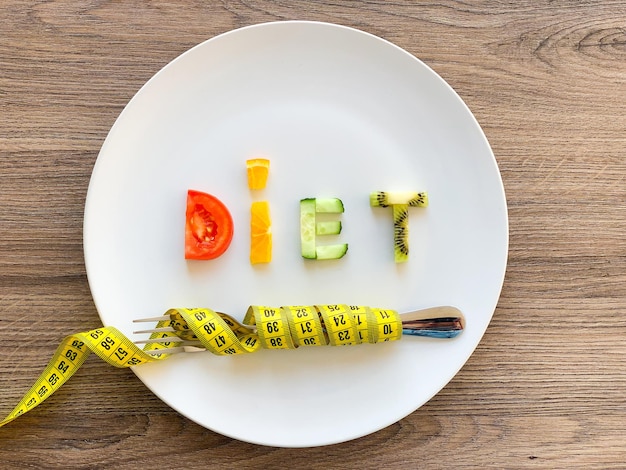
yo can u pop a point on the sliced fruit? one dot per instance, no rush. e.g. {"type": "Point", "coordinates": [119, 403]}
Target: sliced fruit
{"type": "Point", "coordinates": [400, 201]}
{"type": "Point", "coordinates": [208, 226]}
{"type": "Point", "coordinates": [389, 198]}
{"type": "Point", "coordinates": [307, 228]}
{"type": "Point", "coordinates": [401, 232]}
{"type": "Point", "coordinates": [260, 233]}
{"type": "Point", "coordinates": [258, 170]}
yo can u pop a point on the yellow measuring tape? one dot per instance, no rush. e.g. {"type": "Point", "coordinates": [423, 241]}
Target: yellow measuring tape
{"type": "Point", "coordinates": [276, 328]}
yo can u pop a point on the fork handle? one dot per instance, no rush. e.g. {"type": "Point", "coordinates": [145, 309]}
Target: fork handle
{"type": "Point", "coordinates": [436, 322]}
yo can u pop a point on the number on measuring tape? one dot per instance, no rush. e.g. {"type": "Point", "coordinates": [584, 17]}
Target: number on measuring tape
{"type": "Point", "coordinates": [276, 328]}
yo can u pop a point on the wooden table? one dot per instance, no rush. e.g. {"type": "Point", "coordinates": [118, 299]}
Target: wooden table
{"type": "Point", "coordinates": [546, 387]}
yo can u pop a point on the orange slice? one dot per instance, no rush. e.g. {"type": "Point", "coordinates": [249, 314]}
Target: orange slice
{"type": "Point", "coordinates": [260, 233]}
{"type": "Point", "coordinates": [258, 169]}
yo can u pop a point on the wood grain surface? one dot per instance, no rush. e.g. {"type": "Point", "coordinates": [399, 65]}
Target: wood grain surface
{"type": "Point", "coordinates": [546, 387]}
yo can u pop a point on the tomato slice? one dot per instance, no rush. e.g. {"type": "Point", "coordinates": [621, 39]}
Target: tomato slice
{"type": "Point", "coordinates": [208, 228]}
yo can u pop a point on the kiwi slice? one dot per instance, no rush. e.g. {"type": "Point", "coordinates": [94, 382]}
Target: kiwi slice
{"type": "Point", "coordinates": [401, 232]}
{"type": "Point", "coordinates": [400, 201]}
{"type": "Point", "coordinates": [390, 198]}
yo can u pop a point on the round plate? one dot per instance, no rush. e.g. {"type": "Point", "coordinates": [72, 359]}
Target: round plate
{"type": "Point", "coordinates": [339, 113]}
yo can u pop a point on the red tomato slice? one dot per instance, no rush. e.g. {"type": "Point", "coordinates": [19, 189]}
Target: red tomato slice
{"type": "Point", "coordinates": [209, 226]}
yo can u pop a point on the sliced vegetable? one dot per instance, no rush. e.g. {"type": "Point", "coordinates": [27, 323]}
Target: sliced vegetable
{"type": "Point", "coordinates": [260, 233]}
{"type": "Point", "coordinates": [258, 170]}
{"type": "Point", "coordinates": [208, 226]}
{"type": "Point", "coordinates": [331, 251]}
{"type": "Point", "coordinates": [329, 204]}
{"type": "Point", "coordinates": [310, 227]}
{"type": "Point", "coordinates": [307, 228]}
{"type": "Point", "coordinates": [328, 227]}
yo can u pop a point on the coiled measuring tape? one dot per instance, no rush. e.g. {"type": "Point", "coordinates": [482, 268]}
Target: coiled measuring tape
{"type": "Point", "coordinates": [276, 328]}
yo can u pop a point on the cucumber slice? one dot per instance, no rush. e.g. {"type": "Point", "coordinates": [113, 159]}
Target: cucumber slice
{"type": "Point", "coordinates": [307, 228]}
{"type": "Point", "coordinates": [331, 251]}
{"type": "Point", "coordinates": [329, 205]}
{"type": "Point", "coordinates": [310, 227]}
{"type": "Point", "coordinates": [329, 227]}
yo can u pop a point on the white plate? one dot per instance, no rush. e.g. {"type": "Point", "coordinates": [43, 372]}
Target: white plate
{"type": "Point", "coordinates": [341, 113]}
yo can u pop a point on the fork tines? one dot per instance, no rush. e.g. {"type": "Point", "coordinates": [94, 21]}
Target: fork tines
{"type": "Point", "coordinates": [181, 344]}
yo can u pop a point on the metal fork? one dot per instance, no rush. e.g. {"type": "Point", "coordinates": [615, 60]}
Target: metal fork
{"type": "Point", "coordinates": [434, 322]}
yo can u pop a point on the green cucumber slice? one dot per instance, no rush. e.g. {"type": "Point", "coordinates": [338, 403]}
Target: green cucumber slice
{"type": "Point", "coordinates": [328, 227]}
{"type": "Point", "coordinates": [329, 205]}
{"type": "Point", "coordinates": [307, 228]}
{"type": "Point", "coordinates": [331, 251]}
{"type": "Point", "coordinates": [310, 227]}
